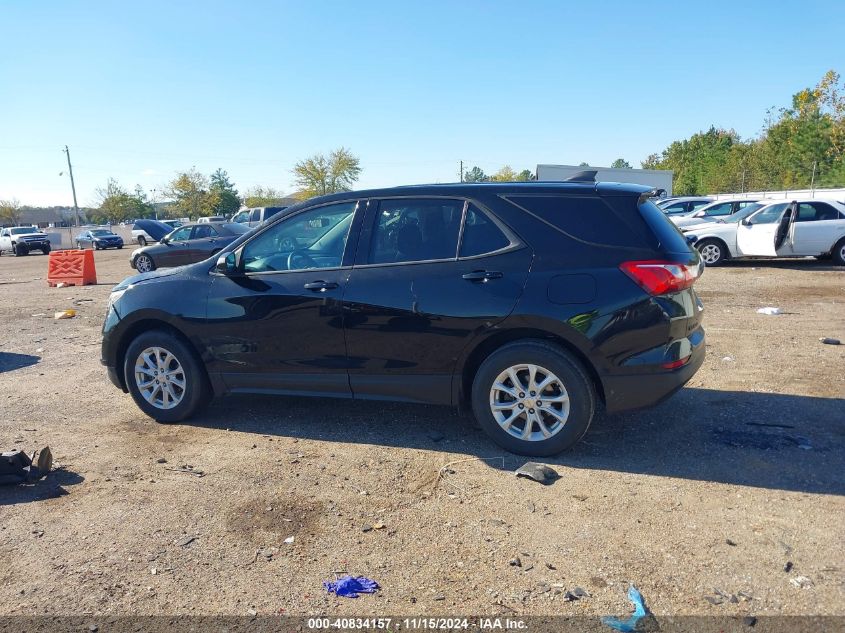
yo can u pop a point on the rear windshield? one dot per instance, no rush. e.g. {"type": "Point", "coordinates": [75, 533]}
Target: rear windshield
{"type": "Point", "coordinates": [670, 237]}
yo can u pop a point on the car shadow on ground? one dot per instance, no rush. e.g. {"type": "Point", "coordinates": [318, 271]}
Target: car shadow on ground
{"type": "Point", "coordinates": [10, 361]}
{"type": "Point", "coordinates": [810, 264]}
{"type": "Point", "coordinates": [49, 487]}
{"type": "Point", "coordinates": [766, 440]}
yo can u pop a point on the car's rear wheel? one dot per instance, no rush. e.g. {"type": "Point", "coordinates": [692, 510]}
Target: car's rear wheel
{"type": "Point", "coordinates": [712, 252]}
{"type": "Point", "coordinates": [165, 377]}
{"type": "Point", "coordinates": [838, 253]}
{"type": "Point", "coordinates": [533, 398]}
{"type": "Point", "coordinates": [144, 263]}
{"type": "Point", "coordinates": [142, 241]}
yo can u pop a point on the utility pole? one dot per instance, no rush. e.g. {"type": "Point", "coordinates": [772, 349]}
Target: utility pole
{"type": "Point", "coordinates": [72, 186]}
{"type": "Point", "coordinates": [462, 171]}
{"type": "Point", "coordinates": [813, 180]}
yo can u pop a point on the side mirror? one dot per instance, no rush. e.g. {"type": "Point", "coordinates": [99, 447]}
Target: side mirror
{"type": "Point", "coordinates": [745, 222]}
{"type": "Point", "coordinates": [691, 239]}
{"type": "Point", "coordinates": [227, 264]}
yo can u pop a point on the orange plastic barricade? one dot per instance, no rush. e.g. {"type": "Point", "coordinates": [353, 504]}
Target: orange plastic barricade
{"type": "Point", "coordinates": [72, 268]}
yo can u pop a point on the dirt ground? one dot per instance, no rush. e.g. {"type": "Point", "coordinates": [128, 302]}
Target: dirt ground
{"type": "Point", "coordinates": [719, 488]}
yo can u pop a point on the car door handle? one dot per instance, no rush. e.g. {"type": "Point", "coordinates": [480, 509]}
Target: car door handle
{"type": "Point", "coordinates": [322, 286]}
{"type": "Point", "coordinates": [482, 275]}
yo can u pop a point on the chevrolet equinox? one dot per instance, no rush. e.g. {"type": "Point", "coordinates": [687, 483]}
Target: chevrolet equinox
{"type": "Point", "coordinates": [533, 303]}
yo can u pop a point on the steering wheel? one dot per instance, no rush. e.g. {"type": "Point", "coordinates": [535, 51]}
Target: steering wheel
{"type": "Point", "coordinates": [300, 259]}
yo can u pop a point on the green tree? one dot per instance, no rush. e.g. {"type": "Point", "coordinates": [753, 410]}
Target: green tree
{"type": "Point", "coordinates": [115, 204]}
{"type": "Point", "coordinates": [191, 194]}
{"type": "Point", "coordinates": [475, 175]}
{"type": "Point", "coordinates": [505, 174]}
{"type": "Point", "coordinates": [525, 175]}
{"type": "Point", "coordinates": [620, 163]}
{"type": "Point", "coordinates": [259, 196]}
{"type": "Point", "coordinates": [228, 200]}
{"type": "Point", "coordinates": [10, 211]}
{"type": "Point", "coordinates": [583, 164]}
{"type": "Point", "coordinates": [320, 175]}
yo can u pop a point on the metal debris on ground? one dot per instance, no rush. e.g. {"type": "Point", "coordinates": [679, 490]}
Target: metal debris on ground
{"type": "Point", "coordinates": [350, 586]}
{"type": "Point", "coordinates": [17, 467]}
{"type": "Point", "coordinates": [538, 472]}
{"type": "Point", "coordinates": [830, 341]}
{"type": "Point", "coordinates": [769, 310]}
{"type": "Point", "coordinates": [640, 611]}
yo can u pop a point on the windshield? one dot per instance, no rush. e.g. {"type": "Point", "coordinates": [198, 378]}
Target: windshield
{"type": "Point", "coordinates": [101, 233]}
{"type": "Point", "coordinates": [23, 230]}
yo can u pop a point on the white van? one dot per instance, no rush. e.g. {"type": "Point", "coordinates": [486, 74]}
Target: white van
{"type": "Point", "coordinates": [255, 215]}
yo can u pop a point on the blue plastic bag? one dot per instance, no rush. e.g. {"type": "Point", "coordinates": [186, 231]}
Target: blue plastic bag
{"type": "Point", "coordinates": [350, 586]}
{"type": "Point", "coordinates": [640, 611]}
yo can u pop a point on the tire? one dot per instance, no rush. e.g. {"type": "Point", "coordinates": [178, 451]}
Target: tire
{"type": "Point", "coordinates": [713, 252]}
{"type": "Point", "coordinates": [572, 390]}
{"type": "Point", "coordinates": [838, 253]}
{"type": "Point", "coordinates": [142, 241]}
{"type": "Point", "coordinates": [19, 250]}
{"type": "Point", "coordinates": [140, 262]}
{"type": "Point", "coordinates": [46, 251]}
{"type": "Point", "coordinates": [157, 349]}
{"type": "Point", "coordinates": [120, 247]}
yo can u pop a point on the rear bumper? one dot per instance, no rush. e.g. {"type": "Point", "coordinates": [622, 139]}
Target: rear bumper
{"type": "Point", "coordinates": [642, 390]}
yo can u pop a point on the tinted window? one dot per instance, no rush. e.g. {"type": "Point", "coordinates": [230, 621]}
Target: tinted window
{"type": "Point", "coordinates": [816, 212]}
{"type": "Point", "coordinates": [201, 232]}
{"type": "Point", "coordinates": [416, 230]}
{"type": "Point", "coordinates": [770, 214]}
{"type": "Point", "coordinates": [585, 218]}
{"type": "Point", "coordinates": [719, 209]}
{"type": "Point", "coordinates": [698, 204]}
{"type": "Point", "coordinates": [481, 235]}
{"type": "Point", "coordinates": [255, 215]}
{"type": "Point", "coordinates": [675, 207]}
{"type": "Point", "coordinates": [312, 239]}
{"type": "Point", "coordinates": [269, 212]}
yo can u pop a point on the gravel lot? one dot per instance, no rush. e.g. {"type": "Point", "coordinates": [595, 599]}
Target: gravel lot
{"type": "Point", "coordinates": [718, 488]}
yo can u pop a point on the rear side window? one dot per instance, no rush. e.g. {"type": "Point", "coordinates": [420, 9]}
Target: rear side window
{"type": "Point", "coordinates": [481, 235]}
{"type": "Point", "coordinates": [269, 212]}
{"type": "Point", "coordinates": [670, 238]}
{"type": "Point", "coordinates": [588, 219]}
{"type": "Point", "coordinates": [413, 230]}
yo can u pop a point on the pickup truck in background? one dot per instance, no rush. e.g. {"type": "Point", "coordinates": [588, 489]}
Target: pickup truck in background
{"type": "Point", "coordinates": [22, 240]}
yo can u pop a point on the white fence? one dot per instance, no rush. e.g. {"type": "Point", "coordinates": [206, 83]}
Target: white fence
{"type": "Point", "coordinates": [791, 194]}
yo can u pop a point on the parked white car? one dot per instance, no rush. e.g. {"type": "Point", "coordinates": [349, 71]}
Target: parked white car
{"type": "Point", "coordinates": [143, 238]}
{"type": "Point", "coordinates": [683, 204]}
{"type": "Point", "coordinates": [719, 210]}
{"type": "Point", "coordinates": [800, 228]}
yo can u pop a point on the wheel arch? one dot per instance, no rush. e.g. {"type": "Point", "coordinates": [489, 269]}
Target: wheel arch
{"type": "Point", "coordinates": [145, 325]}
{"type": "Point", "coordinates": [462, 387]}
{"type": "Point", "coordinates": [716, 238]}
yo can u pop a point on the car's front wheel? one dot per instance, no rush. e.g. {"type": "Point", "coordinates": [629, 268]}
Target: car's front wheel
{"type": "Point", "coordinates": [142, 241]}
{"type": "Point", "coordinates": [712, 252]}
{"type": "Point", "coordinates": [19, 250]}
{"type": "Point", "coordinates": [533, 398]}
{"type": "Point", "coordinates": [46, 250]}
{"type": "Point", "coordinates": [144, 263]}
{"type": "Point", "coordinates": [165, 377]}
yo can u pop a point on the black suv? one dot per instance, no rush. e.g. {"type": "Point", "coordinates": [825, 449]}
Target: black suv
{"type": "Point", "coordinates": [533, 302]}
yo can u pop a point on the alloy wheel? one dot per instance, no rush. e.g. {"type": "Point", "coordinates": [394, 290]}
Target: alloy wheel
{"type": "Point", "coordinates": [529, 402]}
{"type": "Point", "coordinates": [143, 264]}
{"type": "Point", "coordinates": [160, 378]}
{"type": "Point", "coordinates": [711, 253]}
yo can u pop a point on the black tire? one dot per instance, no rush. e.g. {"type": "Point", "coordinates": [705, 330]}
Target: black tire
{"type": "Point", "coordinates": [120, 247]}
{"type": "Point", "coordinates": [838, 253]}
{"type": "Point", "coordinates": [144, 256]}
{"type": "Point", "coordinates": [713, 250]}
{"type": "Point", "coordinates": [142, 241]}
{"type": "Point", "coordinates": [19, 250]}
{"type": "Point", "coordinates": [46, 251]}
{"type": "Point", "coordinates": [197, 391]}
{"type": "Point", "coordinates": [569, 371]}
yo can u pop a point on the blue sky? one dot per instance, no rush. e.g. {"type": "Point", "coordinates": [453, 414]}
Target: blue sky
{"type": "Point", "coordinates": [138, 90]}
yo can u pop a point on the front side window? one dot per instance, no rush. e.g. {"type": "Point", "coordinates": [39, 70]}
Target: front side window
{"type": "Point", "coordinates": [481, 235]}
{"type": "Point", "coordinates": [770, 214]}
{"type": "Point", "coordinates": [181, 235]}
{"type": "Point", "coordinates": [255, 215]}
{"type": "Point", "coordinates": [242, 216]}
{"type": "Point", "coordinates": [204, 231]}
{"type": "Point", "coordinates": [315, 238]}
{"type": "Point", "coordinates": [413, 230]}
{"type": "Point", "coordinates": [698, 204]}
{"type": "Point", "coordinates": [677, 207]}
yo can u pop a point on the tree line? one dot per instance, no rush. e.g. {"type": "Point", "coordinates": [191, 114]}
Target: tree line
{"type": "Point", "coordinates": [799, 147]}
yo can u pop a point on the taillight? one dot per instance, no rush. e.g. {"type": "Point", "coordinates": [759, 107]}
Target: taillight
{"type": "Point", "coordinates": [658, 277]}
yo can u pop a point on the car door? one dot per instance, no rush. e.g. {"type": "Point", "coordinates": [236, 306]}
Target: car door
{"type": "Point", "coordinates": [203, 243]}
{"type": "Point", "coordinates": [430, 274]}
{"type": "Point", "coordinates": [814, 229]}
{"type": "Point", "coordinates": [756, 235]}
{"type": "Point", "coordinates": [175, 251]}
{"type": "Point", "coordinates": [277, 325]}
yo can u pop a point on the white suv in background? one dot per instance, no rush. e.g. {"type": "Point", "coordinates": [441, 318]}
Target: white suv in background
{"type": "Point", "coordinates": [800, 228]}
